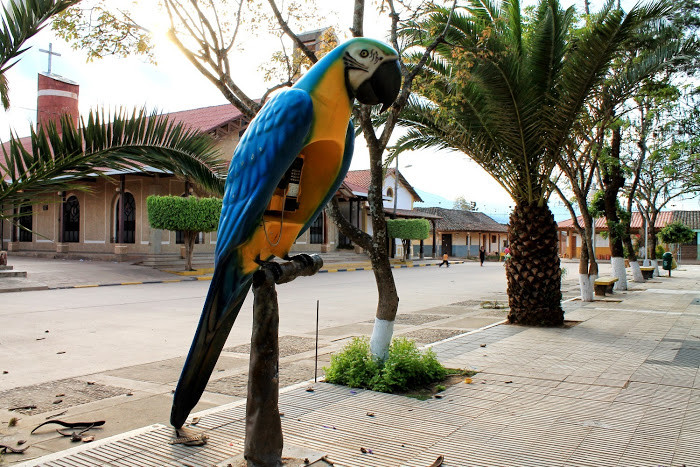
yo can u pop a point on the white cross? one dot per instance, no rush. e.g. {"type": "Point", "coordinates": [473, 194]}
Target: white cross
{"type": "Point", "coordinates": [50, 52]}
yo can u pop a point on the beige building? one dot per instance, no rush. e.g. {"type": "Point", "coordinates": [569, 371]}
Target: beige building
{"type": "Point", "coordinates": [94, 223]}
{"type": "Point", "coordinates": [461, 233]}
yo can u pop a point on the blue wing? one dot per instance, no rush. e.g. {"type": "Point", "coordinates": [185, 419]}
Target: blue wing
{"type": "Point", "coordinates": [344, 167]}
{"type": "Point", "coordinates": [269, 146]}
{"type": "Point", "coordinates": [272, 141]}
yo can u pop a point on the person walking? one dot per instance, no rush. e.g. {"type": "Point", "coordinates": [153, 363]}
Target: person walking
{"type": "Point", "coordinates": [482, 255]}
{"type": "Point", "coordinates": [444, 261]}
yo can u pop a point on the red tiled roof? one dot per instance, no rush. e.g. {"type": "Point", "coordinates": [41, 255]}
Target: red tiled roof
{"type": "Point", "coordinates": [688, 218]}
{"type": "Point", "coordinates": [206, 118]}
{"type": "Point", "coordinates": [458, 220]}
{"type": "Point", "coordinates": [412, 213]}
{"type": "Point", "coordinates": [601, 223]}
{"type": "Point", "coordinates": [359, 181]}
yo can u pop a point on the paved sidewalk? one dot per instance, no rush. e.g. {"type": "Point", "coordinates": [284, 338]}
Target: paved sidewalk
{"type": "Point", "coordinates": [618, 386]}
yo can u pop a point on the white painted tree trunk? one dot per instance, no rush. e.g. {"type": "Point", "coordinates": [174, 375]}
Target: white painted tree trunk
{"type": "Point", "coordinates": [655, 263]}
{"type": "Point", "coordinates": [636, 272]}
{"type": "Point", "coordinates": [381, 338]}
{"type": "Point", "coordinates": [618, 270]}
{"type": "Point", "coordinates": [586, 284]}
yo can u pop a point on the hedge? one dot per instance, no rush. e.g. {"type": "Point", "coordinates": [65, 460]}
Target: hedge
{"type": "Point", "coordinates": [180, 213]}
{"type": "Point", "coordinates": [408, 229]}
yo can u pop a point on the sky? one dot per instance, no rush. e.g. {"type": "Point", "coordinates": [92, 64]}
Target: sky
{"type": "Point", "coordinates": [174, 84]}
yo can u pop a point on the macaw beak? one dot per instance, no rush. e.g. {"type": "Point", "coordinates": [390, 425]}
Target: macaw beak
{"type": "Point", "coordinates": [382, 87]}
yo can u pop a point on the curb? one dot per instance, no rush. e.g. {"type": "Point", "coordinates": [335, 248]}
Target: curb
{"type": "Point", "coordinates": [188, 278]}
{"type": "Point", "coordinates": [112, 284]}
{"type": "Point", "coordinates": [393, 266]}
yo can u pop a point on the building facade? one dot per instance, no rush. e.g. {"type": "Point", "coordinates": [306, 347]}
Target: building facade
{"type": "Point", "coordinates": [461, 233]}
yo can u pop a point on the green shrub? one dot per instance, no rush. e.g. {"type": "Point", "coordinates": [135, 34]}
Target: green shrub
{"type": "Point", "coordinates": [408, 229]}
{"type": "Point", "coordinates": [180, 213]}
{"type": "Point", "coordinates": [660, 252]}
{"type": "Point", "coordinates": [405, 368]}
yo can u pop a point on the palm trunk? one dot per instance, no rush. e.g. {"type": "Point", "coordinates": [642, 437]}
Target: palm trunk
{"type": "Point", "coordinates": [533, 272]}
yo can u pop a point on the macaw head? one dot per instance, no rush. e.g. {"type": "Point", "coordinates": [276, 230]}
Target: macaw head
{"type": "Point", "coordinates": [372, 72]}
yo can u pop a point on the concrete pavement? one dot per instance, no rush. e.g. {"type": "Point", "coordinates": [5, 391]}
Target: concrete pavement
{"type": "Point", "coordinates": [619, 385]}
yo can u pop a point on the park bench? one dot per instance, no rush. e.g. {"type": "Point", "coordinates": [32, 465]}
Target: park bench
{"type": "Point", "coordinates": [604, 285]}
{"type": "Point", "coordinates": [647, 272]}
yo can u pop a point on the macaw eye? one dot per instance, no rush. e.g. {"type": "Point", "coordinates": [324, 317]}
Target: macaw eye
{"type": "Point", "coordinates": [364, 53]}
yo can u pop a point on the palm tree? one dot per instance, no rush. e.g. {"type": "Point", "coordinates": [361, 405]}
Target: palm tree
{"type": "Point", "coordinates": [508, 92]}
{"type": "Point", "coordinates": [61, 155]}
{"type": "Point", "coordinates": [60, 160]}
{"type": "Point", "coordinates": [21, 20]}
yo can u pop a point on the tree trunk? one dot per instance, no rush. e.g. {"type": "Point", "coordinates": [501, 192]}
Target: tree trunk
{"type": "Point", "coordinates": [533, 272]}
{"type": "Point", "coordinates": [613, 181]}
{"type": "Point", "coordinates": [588, 266]}
{"type": "Point", "coordinates": [653, 241]}
{"type": "Point", "coordinates": [189, 237]}
{"type": "Point", "coordinates": [631, 254]}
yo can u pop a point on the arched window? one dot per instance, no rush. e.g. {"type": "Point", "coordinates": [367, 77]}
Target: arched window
{"type": "Point", "coordinates": [390, 192]}
{"type": "Point", "coordinates": [25, 223]}
{"type": "Point", "coordinates": [71, 220]}
{"type": "Point", "coordinates": [129, 213]}
{"type": "Point", "coordinates": [316, 230]}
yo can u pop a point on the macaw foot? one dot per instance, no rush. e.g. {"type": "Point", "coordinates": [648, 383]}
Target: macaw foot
{"type": "Point", "coordinates": [273, 266]}
{"type": "Point", "coordinates": [303, 258]}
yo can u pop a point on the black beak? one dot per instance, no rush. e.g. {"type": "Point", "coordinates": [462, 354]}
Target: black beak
{"type": "Point", "coordinates": [382, 87]}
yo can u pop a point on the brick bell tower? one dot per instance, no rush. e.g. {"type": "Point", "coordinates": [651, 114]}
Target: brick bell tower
{"type": "Point", "coordinates": [56, 97]}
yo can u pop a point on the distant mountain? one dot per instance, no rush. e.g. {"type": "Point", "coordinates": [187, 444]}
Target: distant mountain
{"type": "Point", "coordinates": [432, 200]}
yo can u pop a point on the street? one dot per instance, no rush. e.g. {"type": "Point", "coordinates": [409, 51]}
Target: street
{"type": "Point", "coordinates": [93, 330]}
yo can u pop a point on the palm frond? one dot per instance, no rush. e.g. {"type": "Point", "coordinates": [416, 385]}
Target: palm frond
{"type": "Point", "coordinates": [21, 20]}
{"type": "Point", "coordinates": [58, 160]}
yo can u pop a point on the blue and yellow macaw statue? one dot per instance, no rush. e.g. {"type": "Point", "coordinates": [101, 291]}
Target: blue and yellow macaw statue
{"type": "Point", "coordinates": [291, 160]}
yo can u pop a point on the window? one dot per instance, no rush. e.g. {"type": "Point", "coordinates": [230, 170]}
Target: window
{"type": "Point", "coordinates": [493, 239]}
{"type": "Point", "coordinates": [390, 192]}
{"type": "Point", "coordinates": [25, 224]}
{"type": "Point", "coordinates": [129, 219]}
{"type": "Point", "coordinates": [316, 230]}
{"type": "Point", "coordinates": [71, 220]}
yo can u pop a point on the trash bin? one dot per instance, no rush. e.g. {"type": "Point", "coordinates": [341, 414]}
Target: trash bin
{"type": "Point", "coordinates": [667, 259]}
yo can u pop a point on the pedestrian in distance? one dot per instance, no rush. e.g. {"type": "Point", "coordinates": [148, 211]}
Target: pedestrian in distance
{"type": "Point", "coordinates": [482, 255]}
{"type": "Point", "coordinates": [444, 261]}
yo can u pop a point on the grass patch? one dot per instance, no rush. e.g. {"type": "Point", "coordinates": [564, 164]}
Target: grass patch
{"type": "Point", "coordinates": [407, 370]}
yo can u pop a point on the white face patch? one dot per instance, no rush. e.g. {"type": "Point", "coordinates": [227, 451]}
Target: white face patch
{"type": "Point", "coordinates": [361, 61]}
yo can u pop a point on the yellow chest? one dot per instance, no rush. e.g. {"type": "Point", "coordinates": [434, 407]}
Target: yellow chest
{"type": "Point", "coordinates": [322, 158]}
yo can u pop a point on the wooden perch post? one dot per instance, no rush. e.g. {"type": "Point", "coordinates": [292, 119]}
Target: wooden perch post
{"type": "Point", "coordinates": [263, 431]}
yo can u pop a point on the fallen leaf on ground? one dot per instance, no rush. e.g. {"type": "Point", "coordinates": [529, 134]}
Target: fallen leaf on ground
{"type": "Point", "coordinates": [23, 407]}
{"type": "Point", "coordinates": [438, 461]}
{"type": "Point", "coordinates": [482, 345]}
{"type": "Point", "coordinates": [310, 389]}
{"type": "Point", "coordinates": [468, 380]}
{"type": "Point", "coordinates": [58, 401]}
{"type": "Point", "coordinates": [370, 414]}
{"type": "Point", "coordinates": [194, 421]}
{"type": "Point", "coordinates": [87, 439]}
{"type": "Point", "coordinates": [60, 395]}
{"type": "Point", "coordinates": [90, 383]}
{"type": "Point", "coordinates": [61, 352]}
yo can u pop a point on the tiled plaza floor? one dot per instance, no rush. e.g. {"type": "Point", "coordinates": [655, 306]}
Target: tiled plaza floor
{"type": "Point", "coordinates": [619, 386]}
